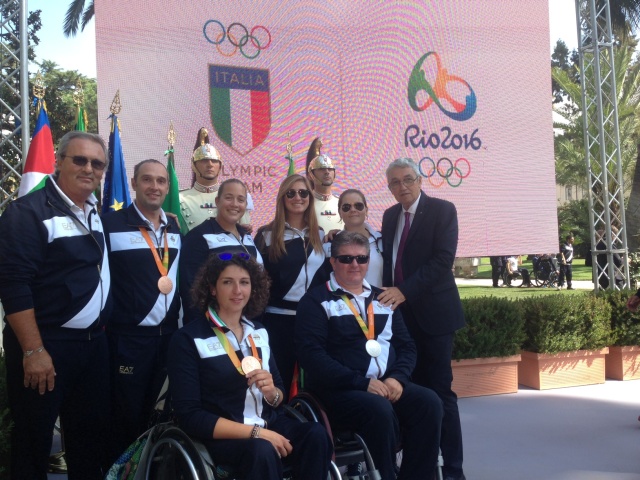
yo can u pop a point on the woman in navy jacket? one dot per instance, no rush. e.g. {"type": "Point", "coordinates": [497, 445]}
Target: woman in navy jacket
{"type": "Point", "coordinates": [225, 386]}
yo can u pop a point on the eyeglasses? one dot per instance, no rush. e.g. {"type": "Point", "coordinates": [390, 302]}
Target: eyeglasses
{"type": "Point", "coordinates": [81, 161]}
{"type": "Point", "coordinates": [226, 256]}
{"type": "Point", "coordinates": [347, 206]}
{"type": "Point", "coordinates": [303, 193]}
{"type": "Point", "coordinates": [407, 182]}
{"type": "Point", "coordinates": [347, 259]}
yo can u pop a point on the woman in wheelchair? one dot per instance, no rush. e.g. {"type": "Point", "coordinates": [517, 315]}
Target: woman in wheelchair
{"type": "Point", "coordinates": [225, 385]}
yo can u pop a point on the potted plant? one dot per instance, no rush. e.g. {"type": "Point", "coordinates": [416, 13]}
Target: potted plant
{"type": "Point", "coordinates": [623, 359]}
{"type": "Point", "coordinates": [485, 351]}
{"type": "Point", "coordinates": [566, 341]}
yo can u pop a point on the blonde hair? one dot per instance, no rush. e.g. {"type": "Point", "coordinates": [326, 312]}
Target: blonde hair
{"type": "Point", "coordinates": [277, 249]}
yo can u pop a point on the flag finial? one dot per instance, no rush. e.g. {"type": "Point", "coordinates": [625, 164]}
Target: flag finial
{"type": "Point", "coordinates": [171, 136]}
{"type": "Point", "coordinates": [115, 104]}
{"type": "Point", "coordinates": [289, 146]}
{"type": "Point", "coordinates": [38, 86]}
{"type": "Point", "coordinates": [78, 94]}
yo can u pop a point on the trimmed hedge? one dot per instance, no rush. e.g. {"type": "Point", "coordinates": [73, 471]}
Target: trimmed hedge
{"type": "Point", "coordinates": [495, 328]}
{"type": "Point", "coordinates": [562, 323]}
{"type": "Point", "coordinates": [625, 325]}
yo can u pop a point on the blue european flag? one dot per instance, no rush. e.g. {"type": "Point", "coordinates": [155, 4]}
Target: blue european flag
{"type": "Point", "coordinates": [116, 183]}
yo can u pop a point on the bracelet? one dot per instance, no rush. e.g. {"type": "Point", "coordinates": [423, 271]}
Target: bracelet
{"type": "Point", "coordinates": [255, 431]}
{"type": "Point", "coordinates": [28, 353]}
{"type": "Point", "coordinates": [275, 400]}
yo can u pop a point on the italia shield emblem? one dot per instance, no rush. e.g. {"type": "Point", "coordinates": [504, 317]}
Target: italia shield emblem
{"type": "Point", "coordinates": [240, 106]}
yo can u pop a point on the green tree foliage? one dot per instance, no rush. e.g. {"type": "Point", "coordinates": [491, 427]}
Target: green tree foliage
{"type": "Point", "coordinates": [11, 146]}
{"type": "Point", "coordinates": [77, 15]}
{"type": "Point", "coordinates": [566, 61]}
{"type": "Point", "coordinates": [61, 108]}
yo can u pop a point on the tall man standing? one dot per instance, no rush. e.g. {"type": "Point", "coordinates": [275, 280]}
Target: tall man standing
{"type": "Point", "coordinates": [566, 271]}
{"type": "Point", "coordinates": [54, 285]}
{"type": "Point", "coordinates": [420, 237]}
{"type": "Point", "coordinates": [198, 202]}
{"type": "Point", "coordinates": [322, 173]}
{"type": "Point", "coordinates": [144, 249]}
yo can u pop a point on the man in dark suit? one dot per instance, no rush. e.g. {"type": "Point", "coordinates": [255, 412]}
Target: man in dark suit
{"type": "Point", "coordinates": [420, 237]}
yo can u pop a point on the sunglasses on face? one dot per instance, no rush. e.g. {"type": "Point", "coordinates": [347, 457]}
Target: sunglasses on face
{"type": "Point", "coordinates": [226, 256]}
{"type": "Point", "coordinates": [302, 193]}
{"type": "Point", "coordinates": [347, 206]}
{"type": "Point", "coordinates": [347, 259]}
{"type": "Point", "coordinates": [81, 161]}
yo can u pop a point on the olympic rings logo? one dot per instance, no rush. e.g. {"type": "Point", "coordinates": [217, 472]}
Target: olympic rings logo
{"type": "Point", "coordinates": [418, 82]}
{"type": "Point", "coordinates": [249, 43]}
{"type": "Point", "coordinates": [447, 171]}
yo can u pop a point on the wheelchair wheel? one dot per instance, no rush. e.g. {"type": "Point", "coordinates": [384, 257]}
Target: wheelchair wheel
{"type": "Point", "coordinates": [175, 457]}
{"type": "Point", "coordinates": [537, 278]}
{"type": "Point", "coordinates": [553, 279]}
{"type": "Point", "coordinates": [516, 280]}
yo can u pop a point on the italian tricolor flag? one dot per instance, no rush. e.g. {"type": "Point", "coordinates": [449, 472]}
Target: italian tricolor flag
{"type": "Point", "coordinates": [41, 157]}
{"type": "Point", "coordinates": [240, 106]}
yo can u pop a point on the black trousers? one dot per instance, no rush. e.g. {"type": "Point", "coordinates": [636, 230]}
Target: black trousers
{"type": "Point", "coordinates": [496, 273]}
{"type": "Point", "coordinates": [257, 459]}
{"type": "Point", "coordinates": [280, 328]}
{"type": "Point", "coordinates": [80, 397]}
{"type": "Point", "coordinates": [565, 271]}
{"type": "Point", "coordinates": [138, 367]}
{"type": "Point", "coordinates": [412, 422]}
{"type": "Point", "coordinates": [433, 370]}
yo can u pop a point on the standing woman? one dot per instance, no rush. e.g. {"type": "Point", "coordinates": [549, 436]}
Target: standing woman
{"type": "Point", "coordinates": [222, 233]}
{"type": "Point", "coordinates": [353, 210]}
{"type": "Point", "coordinates": [225, 386]}
{"type": "Point", "coordinates": [291, 246]}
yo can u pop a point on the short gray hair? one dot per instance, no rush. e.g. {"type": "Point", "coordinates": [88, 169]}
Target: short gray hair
{"type": "Point", "coordinates": [345, 238]}
{"type": "Point", "coordinates": [63, 144]}
{"type": "Point", "coordinates": [403, 163]}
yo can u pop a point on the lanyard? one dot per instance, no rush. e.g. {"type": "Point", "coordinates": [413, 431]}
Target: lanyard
{"type": "Point", "coordinates": [218, 325]}
{"type": "Point", "coordinates": [367, 329]}
{"type": "Point", "coordinates": [163, 266]}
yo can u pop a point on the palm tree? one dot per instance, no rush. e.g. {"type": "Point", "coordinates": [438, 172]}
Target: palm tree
{"type": "Point", "coordinates": [77, 14]}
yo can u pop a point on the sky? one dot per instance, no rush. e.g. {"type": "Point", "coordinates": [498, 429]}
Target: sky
{"type": "Point", "coordinates": [79, 53]}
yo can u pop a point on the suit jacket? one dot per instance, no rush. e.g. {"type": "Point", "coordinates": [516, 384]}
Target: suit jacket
{"type": "Point", "coordinates": [432, 296]}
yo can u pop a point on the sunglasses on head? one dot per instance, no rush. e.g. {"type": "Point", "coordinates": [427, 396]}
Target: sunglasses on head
{"type": "Point", "coordinates": [302, 193]}
{"type": "Point", "coordinates": [81, 161]}
{"type": "Point", "coordinates": [226, 256]}
{"type": "Point", "coordinates": [347, 206]}
{"type": "Point", "coordinates": [347, 259]}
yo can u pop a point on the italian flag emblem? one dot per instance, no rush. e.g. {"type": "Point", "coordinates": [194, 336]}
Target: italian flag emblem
{"type": "Point", "coordinates": [240, 106]}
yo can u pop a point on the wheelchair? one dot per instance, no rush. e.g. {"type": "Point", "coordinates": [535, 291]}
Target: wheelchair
{"type": "Point", "coordinates": [545, 271]}
{"type": "Point", "coordinates": [350, 450]}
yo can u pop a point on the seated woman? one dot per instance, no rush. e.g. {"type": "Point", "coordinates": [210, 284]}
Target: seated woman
{"type": "Point", "coordinates": [353, 211]}
{"type": "Point", "coordinates": [224, 383]}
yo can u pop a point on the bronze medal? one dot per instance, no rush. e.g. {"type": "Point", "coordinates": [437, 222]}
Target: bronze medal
{"type": "Point", "coordinates": [165, 285]}
{"type": "Point", "coordinates": [249, 364]}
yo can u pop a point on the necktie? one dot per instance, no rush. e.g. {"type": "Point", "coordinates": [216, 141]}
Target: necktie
{"type": "Point", "coordinates": [397, 271]}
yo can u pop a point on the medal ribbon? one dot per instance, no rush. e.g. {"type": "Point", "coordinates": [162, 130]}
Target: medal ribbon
{"type": "Point", "coordinates": [163, 266]}
{"type": "Point", "coordinates": [218, 325]}
{"type": "Point", "coordinates": [367, 329]}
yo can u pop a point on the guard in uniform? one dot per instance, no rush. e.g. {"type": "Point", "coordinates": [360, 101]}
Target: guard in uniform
{"type": "Point", "coordinates": [198, 202]}
{"type": "Point", "coordinates": [322, 173]}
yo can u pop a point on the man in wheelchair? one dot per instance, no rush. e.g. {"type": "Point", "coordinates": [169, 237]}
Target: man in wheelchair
{"type": "Point", "coordinates": [514, 270]}
{"type": "Point", "coordinates": [358, 358]}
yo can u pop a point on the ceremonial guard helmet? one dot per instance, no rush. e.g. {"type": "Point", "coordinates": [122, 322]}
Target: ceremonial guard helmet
{"type": "Point", "coordinates": [315, 159]}
{"type": "Point", "coordinates": [204, 149]}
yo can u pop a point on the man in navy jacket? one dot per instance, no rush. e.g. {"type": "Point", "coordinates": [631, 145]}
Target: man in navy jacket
{"type": "Point", "coordinates": [144, 250]}
{"type": "Point", "coordinates": [420, 237]}
{"type": "Point", "coordinates": [358, 356]}
{"type": "Point", "coordinates": [54, 285]}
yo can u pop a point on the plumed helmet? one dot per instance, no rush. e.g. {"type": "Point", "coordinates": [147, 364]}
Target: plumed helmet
{"type": "Point", "coordinates": [315, 159]}
{"type": "Point", "coordinates": [204, 149]}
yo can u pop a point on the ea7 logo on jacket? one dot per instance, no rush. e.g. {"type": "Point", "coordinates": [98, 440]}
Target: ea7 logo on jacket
{"type": "Point", "coordinates": [125, 370]}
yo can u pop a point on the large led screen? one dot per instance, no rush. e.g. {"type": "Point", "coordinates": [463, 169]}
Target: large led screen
{"type": "Point", "coordinates": [460, 86]}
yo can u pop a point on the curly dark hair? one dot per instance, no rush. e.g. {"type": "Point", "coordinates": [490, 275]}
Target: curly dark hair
{"type": "Point", "coordinates": [208, 276]}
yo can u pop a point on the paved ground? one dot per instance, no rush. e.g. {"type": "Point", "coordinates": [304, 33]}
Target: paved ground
{"type": "Point", "coordinates": [486, 282]}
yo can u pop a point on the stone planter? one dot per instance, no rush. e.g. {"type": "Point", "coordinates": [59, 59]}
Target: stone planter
{"type": "Point", "coordinates": [485, 376]}
{"type": "Point", "coordinates": [543, 371]}
{"type": "Point", "coordinates": [623, 363]}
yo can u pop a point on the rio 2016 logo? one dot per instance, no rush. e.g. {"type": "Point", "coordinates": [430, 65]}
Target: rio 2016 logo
{"type": "Point", "coordinates": [439, 91]}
